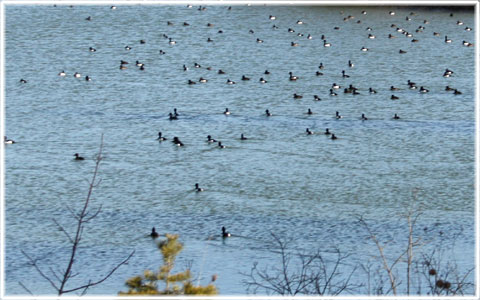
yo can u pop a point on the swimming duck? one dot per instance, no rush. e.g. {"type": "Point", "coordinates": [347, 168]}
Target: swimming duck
{"type": "Point", "coordinates": [392, 88]}
{"type": "Point", "coordinates": [447, 40]}
{"type": "Point", "coordinates": [396, 117]}
{"type": "Point", "coordinates": [191, 82]}
{"type": "Point", "coordinates": [225, 234]}
{"type": "Point", "coordinates": [345, 75]}
{"type": "Point", "coordinates": [221, 71]}
{"type": "Point", "coordinates": [92, 49]}
{"type": "Point", "coordinates": [77, 75]}
{"type": "Point", "coordinates": [7, 141]}
{"type": "Point", "coordinates": [266, 72]}
{"type": "Point", "coordinates": [316, 98]}
{"type": "Point", "coordinates": [393, 97]}
{"type": "Point", "coordinates": [197, 188]}
{"type": "Point", "coordinates": [423, 90]}
{"type": "Point", "coordinates": [262, 80]}
{"type": "Point", "coordinates": [88, 78]}
{"type": "Point", "coordinates": [295, 44]}
{"type": "Point", "coordinates": [177, 142]}
{"type": "Point", "coordinates": [456, 92]}
{"type": "Point", "coordinates": [364, 118]}
{"type": "Point", "coordinates": [78, 157]}
{"type": "Point", "coordinates": [210, 140]}
{"type": "Point", "coordinates": [267, 113]}
{"type": "Point", "coordinates": [292, 78]}
{"type": "Point", "coordinates": [160, 137]}
{"type": "Point", "coordinates": [245, 77]}
{"type": "Point", "coordinates": [334, 137]}
{"type": "Point", "coordinates": [337, 115]}
{"type": "Point", "coordinates": [448, 88]}
{"type": "Point", "coordinates": [364, 49]}
{"type": "Point", "coordinates": [332, 93]}
{"type": "Point", "coordinates": [309, 112]}
{"type": "Point", "coordinates": [402, 51]}
{"type": "Point", "coordinates": [325, 44]}
{"type": "Point", "coordinates": [202, 80]}
{"type": "Point", "coordinates": [230, 82]}
{"type": "Point", "coordinates": [242, 137]}
{"type": "Point", "coordinates": [318, 73]}
{"type": "Point", "coordinates": [226, 112]}
{"type": "Point", "coordinates": [259, 40]}
{"type": "Point", "coordinates": [171, 41]}
{"type": "Point", "coordinates": [154, 234]}
{"type": "Point", "coordinates": [220, 145]}
{"type": "Point", "coordinates": [372, 91]}
{"type": "Point", "coordinates": [62, 73]}
{"type": "Point", "coordinates": [272, 17]}
{"type": "Point", "coordinates": [138, 64]}
{"type": "Point", "coordinates": [350, 64]}
{"type": "Point", "coordinates": [327, 132]}
{"type": "Point", "coordinates": [127, 48]}
{"type": "Point", "coordinates": [335, 86]}
{"type": "Point", "coordinates": [296, 96]}
{"type": "Point", "coordinates": [308, 131]}
{"type": "Point", "coordinates": [321, 66]}
{"type": "Point", "coordinates": [209, 40]}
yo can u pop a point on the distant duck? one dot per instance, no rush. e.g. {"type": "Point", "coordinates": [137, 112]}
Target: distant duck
{"type": "Point", "coordinates": [436, 34]}
{"type": "Point", "coordinates": [318, 73]}
{"type": "Point", "coordinates": [171, 41]}
{"type": "Point", "coordinates": [402, 51]}
{"type": "Point", "coordinates": [7, 141]}
{"type": "Point", "coordinates": [245, 77]}
{"type": "Point", "coordinates": [410, 83]}
{"type": "Point", "coordinates": [89, 18]}
{"type": "Point", "coordinates": [325, 44]}
{"type": "Point", "coordinates": [23, 81]}
{"type": "Point", "coordinates": [177, 142]}
{"type": "Point", "coordinates": [262, 80]}
{"type": "Point", "coordinates": [448, 88]}
{"type": "Point", "coordinates": [169, 23]}
{"type": "Point", "coordinates": [321, 66]}
{"type": "Point", "coordinates": [393, 97]}
{"type": "Point", "coordinates": [350, 64]}
{"type": "Point", "coordinates": [267, 113]}
{"type": "Point", "coordinates": [138, 64]}
{"type": "Point", "coordinates": [128, 48]}
{"type": "Point", "coordinates": [266, 72]}
{"type": "Point", "coordinates": [423, 90]}
{"type": "Point", "coordinates": [372, 91]}
{"type": "Point", "coordinates": [345, 75]}
{"type": "Point", "coordinates": [160, 137]}
{"type": "Point", "coordinates": [456, 92]}
{"type": "Point", "coordinates": [92, 49]}
{"type": "Point", "coordinates": [196, 65]}
{"type": "Point", "coordinates": [334, 137]}
{"type": "Point", "coordinates": [396, 117]}
{"type": "Point", "coordinates": [447, 40]}
{"type": "Point", "coordinates": [62, 73]}
{"type": "Point", "coordinates": [299, 22]}
{"type": "Point", "coordinates": [162, 52]}
{"type": "Point", "coordinates": [123, 67]}
{"type": "Point", "coordinates": [186, 24]}
{"type": "Point", "coordinates": [225, 234]}
{"type": "Point", "coordinates": [291, 30]}
{"type": "Point", "coordinates": [272, 17]}
{"type": "Point", "coordinates": [251, 31]}
{"type": "Point", "coordinates": [459, 23]}
{"type": "Point", "coordinates": [392, 88]}
{"type": "Point", "coordinates": [468, 29]}
{"type": "Point", "coordinates": [197, 188]}
{"type": "Point", "coordinates": [185, 68]}
{"type": "Point", "coordinates": [259, 40]}
{"type": "Point", "coordinates": [392, 13]}
{"type": "Point", "coordinates": [347, 91]}
{"type": "Point", "coordinates": [154, 234]}
{"type": "Point", "coordinates": [88, 78]}
{"type": "Point", "coordinates": [210, 140]}
{"type": "Point", "coordinates": [296, 96]}
{"type": "Point", "coordinates": [221, 71]}
{"type": "Point", "coordinates": [175, 113]}
{"type": "Point", "coordinates": [142, 68]}
{"type": "Point", "coordinates": [77, 75]}
{"type": "Point", "coordinates": [78, 157]}
{"type": "Point", "coordinates": [220, 145]}
{"type": "Point", "coordinates": [230, 82]}
{"type": "Point", "coordinates": [316, 98]}
{"type": "Point", "coordinates": [332, 93]}
{"type": "Point", "coordinates": [309, 37]}
{"type": "Point", "coordinates": [371, 36]}
{"type": "Point", "coordinates": [364, 49]}
{"type": "Point", "coordinates": [122, 62]}
{"type": "Point", "coordinates": [292, 78]}
{"type": "Point", "coordinates": [364, 118]}
{"type": "Point", "coordinates": [172, 116]}
{"type": "Point", "coordinates": [335, 86]}
{"type": "Point", "coordinates": [294, 44]}
{"type": "Point", "coordinates": [202, 80]}
{"type": "Point", "coordinates": [191, 82]}
{"type": "Point", "coordinates": [209, 40]}
{"type": "Point", "coordinates": [308, 131]}
{"type": "Point", "coordinates": [390, 36]}
{"type": "Point", "coordinates": [337, 115]}
{"type": "Point", "coordinates": [242, 137]}
{"type": "Point", "coordinates": [226, 112]}
{"type": "Point", "coordinates": [327, 132]}
{"type": "Point", "coordinates": [309, 112]}
{"type": "Point", "coordinates": [113, 7]}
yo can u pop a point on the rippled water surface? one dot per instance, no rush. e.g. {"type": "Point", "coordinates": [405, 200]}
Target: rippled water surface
{"type": "Point", "coordinates": [308, 188]}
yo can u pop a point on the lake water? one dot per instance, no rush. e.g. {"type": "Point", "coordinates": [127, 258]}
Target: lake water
{"type": "Point", "coordinates": [306, 188]}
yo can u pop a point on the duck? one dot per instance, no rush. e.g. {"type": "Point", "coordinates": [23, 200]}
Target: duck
{"type": "Point", "coordinates": [162, 52]}
{"type": "Point", "coordinates": [325, 44]}
{"type": "Point", "coordinates": [196, 65]}
{"type": "Point", "coordinates": [272, 17]}
{"type": "Point", "coordinates": [309, 112]}
{"type": "Point", "coordinates": [154, 234]}
{"type": "Point", "coordinates": [402, 51]}
{"type": "Point", "coordinates": [245, 77]}
{"type": "Point", "coordinates": [334, 137]}
{"type": "Point", "coordinates": [7, 141]}
{"type": "Point", "coordinates": [345, 75]}
{"type": "Point", "coordinates": [456, 92]}
{"type": "Point", "coordinates": [225, 234]}
{"type": "Point", "coordinates": [23, 81]}
{"type": "Point", "coordinates": [364, 49]}
{"type": "Point", "coordinates": [372, 91]}
{"type": "Point", "coordinates": [92, 49]}
{"type": "Point", "coordinates": [177, 142]}
{"type": "Point", "coordinates": [364, 118]}
{"type": "Point", "coordinates": [335, 86]}
{"type": "Point", "coordinates": [138, 64]}
{"type": "Point", "coordinates": [299, 22]}
{"type": "Point", "coordinates": [160, 137]}
{"type": "Point", "coordinates": [448, 88]}
{"type": "Point", "coordinates": [209, 40]}
{"type": "Point", "coordinates": [423, 90]}
{"type": "Point", "coordinates": [122, 62]}
{"type": "Point", "coordinates": [242, 137]}
{"type": "Point", "coordinates": [202, 80]}
{"type": "Point", "coordinates": [62, 73]}
{"type": "Point", "coordinates": [293, 44]}
{"type": "Point", "coordinates": [221, 71]}
{"type": "Point", "coordinates": [392, 88]}
{"type": "Point", "coordinates": [396, 117]}
{"type": "Point", "coordinates": [230, 82]}
{"type": "Point", "coordinates": [318, 73]}
{"type": "Point", "coordinates": [197, 188]}
{"type": "Point", "coordinates": [337, 115]}
{"type": "Point", "coordinates": [220, 145]}
{"type": "Point", "coordinates": [77, 75]}
{"type": "Point", "coordinates": [171, 41]}
{"type": "Point", "coordinates": [210, 140]}
{"type": "Point", "coordinates": [266, 72]}
{"type": "Point", "coordinates": [296, 96]}
{"type": "Point", "coordinates": [262, 80]}
{"type": "Point", "coordinates": [259, 40]}
{"type": "Point", "coordinates": [226, 112]}
{"type": "Point", "coordinates": [350, 64]}
{"type": "Point", "coordinates": [390, 36]}
{"type": "Point", "coordinates": [327, 132]}
{"type": "Point", "coordinates": [371, 36]}
{"type": "Point", "coordinates": [393, 97]}
{"type": "Point", "coordinates": [292, 78]}
{"type": "Point", "coordinates": [436, 34]}
{"type": "Point", "coordinates": [332, 93]}
{"type": "Point", "coordinates": [128, 48]}
{"type": "Point", "coordinates": [88, 78]}
{"type": "Point", "coordinates": [308, 131]}
{"type": "Point", "coordinates": [447, 40]}
{"type": "Point", "coordinates": [172, 116]}
{"type": "Point", "coordinates": [316, 98]}
{"type": "Point", "coordinates": [185, 68]}
{"type": "Point", "coordinates": [410, 83]}
{"type": "Point", "coordinates": [309, 37]}
{"type": "Point", "coordinates": [321, 66]}
{"type": "Point", "coordinates": [191, 82]}
{"type": "Point", "coordinates": [78, 157]}
{"type": "Point", "coordinates": [267, 113]}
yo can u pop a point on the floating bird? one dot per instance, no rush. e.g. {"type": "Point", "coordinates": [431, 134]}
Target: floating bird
{"type": "Point", "coordinates": [225, 234]}
{"type": "Point", "coordinates": [160, 137]}
{"type": "Point", "coordinates": [154, 234]}
{"type": "Point", "coordinates": [78, 157]}
{"type": "Point", "coordinates": [242, 137]}
{"type": "Point", "coordinates": [197, 188]}
{"type": "Point", "coordinates": [7, 141]}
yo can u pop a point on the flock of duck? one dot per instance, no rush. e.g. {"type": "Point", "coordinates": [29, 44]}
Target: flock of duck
{"type": "Point", "coordinates": [333, 91]}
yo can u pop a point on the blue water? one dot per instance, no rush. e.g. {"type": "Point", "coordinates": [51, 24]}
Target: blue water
{"type": "Point", "coordinates": [306, 188]}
